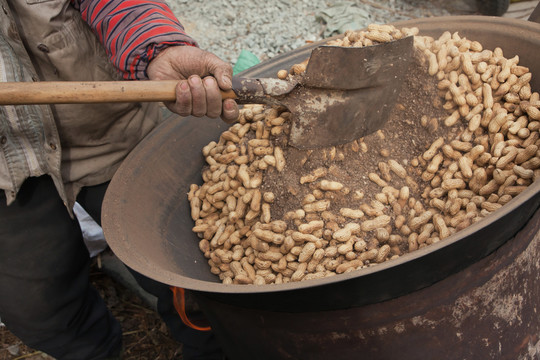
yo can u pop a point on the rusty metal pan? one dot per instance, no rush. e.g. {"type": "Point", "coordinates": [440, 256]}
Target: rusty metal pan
{"type": "Point", "coordinates": [147, 223]}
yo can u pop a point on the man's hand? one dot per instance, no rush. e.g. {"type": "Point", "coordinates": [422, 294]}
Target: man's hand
{"type": "Point", "coordinates": [201, 75]}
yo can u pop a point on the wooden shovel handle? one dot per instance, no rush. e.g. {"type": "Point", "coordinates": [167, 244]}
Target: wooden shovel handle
{"type": "Point", "coordinates": [73, 92]}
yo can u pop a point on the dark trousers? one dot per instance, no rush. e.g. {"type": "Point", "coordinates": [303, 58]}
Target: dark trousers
{"type": "Point", "coordinates": [45, 295]}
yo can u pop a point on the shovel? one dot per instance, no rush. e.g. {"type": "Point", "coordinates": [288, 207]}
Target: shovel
{"type": "Point", "coordinates": [344, 94]}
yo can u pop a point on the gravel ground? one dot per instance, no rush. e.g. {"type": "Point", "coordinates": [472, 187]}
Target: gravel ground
{"type": "Point", "coordinates": [268, 28]}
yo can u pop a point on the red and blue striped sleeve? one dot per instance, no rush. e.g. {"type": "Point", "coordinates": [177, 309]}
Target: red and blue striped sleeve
{"type": "Point", "coordinates": [133, 32]}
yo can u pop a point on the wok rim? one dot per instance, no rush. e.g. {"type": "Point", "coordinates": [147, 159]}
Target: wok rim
{"type": "Point", "coordinates": [112, 206]}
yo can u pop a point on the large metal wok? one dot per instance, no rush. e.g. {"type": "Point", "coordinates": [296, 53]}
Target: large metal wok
{"type": "Point", "coordinates": [147, 223]}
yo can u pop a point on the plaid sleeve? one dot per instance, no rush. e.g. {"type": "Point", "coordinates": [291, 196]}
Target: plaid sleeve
{"type": "Point", "coordinates": [133, 31]}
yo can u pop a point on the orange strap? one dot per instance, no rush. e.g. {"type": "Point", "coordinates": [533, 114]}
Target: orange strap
{"type": "Point", "coordinates": [179, 300]}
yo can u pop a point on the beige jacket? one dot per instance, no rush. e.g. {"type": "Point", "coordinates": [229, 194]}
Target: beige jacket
{"type": "Point", "coordinates": [78, 145]}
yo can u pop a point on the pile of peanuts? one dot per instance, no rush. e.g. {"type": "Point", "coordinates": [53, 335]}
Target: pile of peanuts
{"type": "Point", "coordinates": [463, 179]}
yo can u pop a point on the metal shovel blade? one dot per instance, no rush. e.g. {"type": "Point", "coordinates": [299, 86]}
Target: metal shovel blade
{"type": "Point", "coordinates": [346, 92]}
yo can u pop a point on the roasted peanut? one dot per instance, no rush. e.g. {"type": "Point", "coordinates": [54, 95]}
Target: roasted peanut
{"type": "Point", "coordinates": [489, 155]}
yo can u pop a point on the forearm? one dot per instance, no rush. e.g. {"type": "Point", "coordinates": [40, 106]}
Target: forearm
{"type": "Point", "coordinates": [133, 31]}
